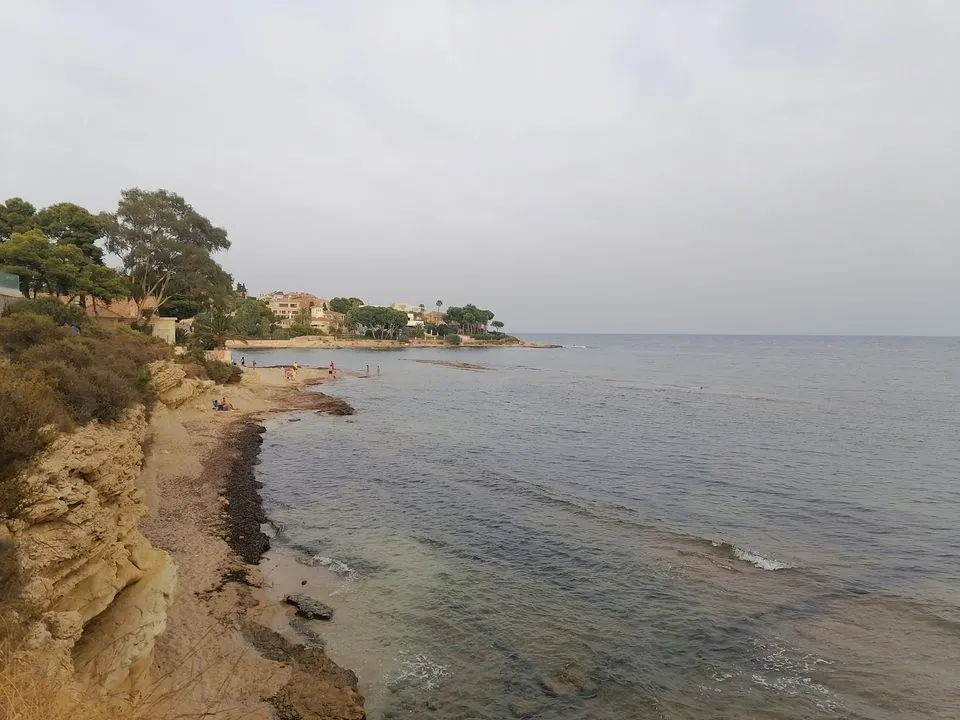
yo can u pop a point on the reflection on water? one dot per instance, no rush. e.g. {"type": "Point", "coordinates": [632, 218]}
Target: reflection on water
{"type": "Point", "coordinates": [589, 534]}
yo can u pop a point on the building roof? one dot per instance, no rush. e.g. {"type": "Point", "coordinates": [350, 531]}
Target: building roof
{"type": "Point", "coordinates": [125, 309]}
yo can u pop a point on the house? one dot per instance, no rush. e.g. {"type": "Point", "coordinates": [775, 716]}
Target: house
{"type": "Point", "coordinates": [287, 305]}
{"type": "Point", "coordinates": [414, 313]}
{"type": "Point", "coordinates": [433, 317]}
{"type": "Point", "coordinates": [126, 312]}
{"type": "Point", "coordinates": [9, 289]}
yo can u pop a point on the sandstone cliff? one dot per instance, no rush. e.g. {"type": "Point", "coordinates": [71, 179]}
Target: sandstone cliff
{"type": "Point", "coordinates": [77, 579]}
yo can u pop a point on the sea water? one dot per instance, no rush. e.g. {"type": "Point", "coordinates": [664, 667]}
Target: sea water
{"type": "Point", "coordinates": [635, 527]}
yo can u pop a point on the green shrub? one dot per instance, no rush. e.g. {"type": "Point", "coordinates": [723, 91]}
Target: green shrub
{"type": "Point", "coordinates": [297, 330]}
{"type": "Point", "coordinates": [51, 307]}
{"type": "Point", "coordinates": [452, 339]}
{"type": "Point", "coordinates": [222, 373]}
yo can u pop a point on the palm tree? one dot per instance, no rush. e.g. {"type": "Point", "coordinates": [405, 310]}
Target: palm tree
{"type": "Point", "coordinates": [439, 305]}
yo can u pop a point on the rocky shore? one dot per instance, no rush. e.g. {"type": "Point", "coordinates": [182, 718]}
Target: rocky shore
{"type": "Point", "coordinates": [325, 342]}
{"type": "Point", "coordinates": [280, 678]}
{"type": "Point", "coordinates": [129, 565]}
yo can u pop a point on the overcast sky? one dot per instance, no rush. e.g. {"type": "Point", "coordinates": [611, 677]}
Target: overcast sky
{"type": "Point", "coordinates": [673, 166]}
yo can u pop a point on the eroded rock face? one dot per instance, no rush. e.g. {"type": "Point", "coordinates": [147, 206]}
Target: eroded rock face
{"type": "Point", "coordinates": [174, 389]}
{"type": "Point", "coordinates": [90, 590]}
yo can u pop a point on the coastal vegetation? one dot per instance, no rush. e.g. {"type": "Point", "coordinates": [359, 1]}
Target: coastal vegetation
{"type": "Point", "coordinates": [53, 379]}
{"type": "Point", "coordinates": [344, 305]}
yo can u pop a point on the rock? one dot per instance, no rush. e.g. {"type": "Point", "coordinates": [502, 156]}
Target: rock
{"type": "Point", "coordinates": [74, 558]}
{"type": "Point", "coordinates": [169, 380]}
{"type": "Point", "coordinates": [527, 708]}
{"type": "Point", "coordinates": [309, 608]}
{"type": "Point", "coordinates": [317, 688]}
{"type": "Point", "coordinates": [572, 679]}
{"type": "Point", "coordinates": [310, 637]}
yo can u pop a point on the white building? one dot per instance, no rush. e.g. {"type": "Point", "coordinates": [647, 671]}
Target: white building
{"type": "Point", "coordinates": [414, 313]}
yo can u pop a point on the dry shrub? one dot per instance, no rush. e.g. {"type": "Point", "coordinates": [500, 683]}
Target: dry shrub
{"type": "Point", "coordinates": [50, 375]}
{"type": "Point", "coordinates": [28, 403]}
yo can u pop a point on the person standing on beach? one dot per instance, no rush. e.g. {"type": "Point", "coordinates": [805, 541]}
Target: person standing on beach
{"type": "Point", "coordinates": [243, 361]}
{"type": "Point", "coordinates": [368, 371]}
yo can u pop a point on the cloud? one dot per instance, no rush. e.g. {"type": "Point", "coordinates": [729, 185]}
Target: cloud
{"type": "Point", "coordinates": [727, 166]}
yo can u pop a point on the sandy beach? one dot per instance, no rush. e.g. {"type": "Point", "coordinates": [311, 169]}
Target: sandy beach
{"type": "Point", "coordinates": [215, 657]}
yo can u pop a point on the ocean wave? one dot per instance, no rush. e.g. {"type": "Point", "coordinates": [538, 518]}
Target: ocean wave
{"type": "Point", "coordinates": [764, 563]}
{"type": "Point", "coordinates": [756, 559]}
{"type": "Point", "coordinates": [337, 566]}
{"type": "Point", "coordinates": [417, 671]}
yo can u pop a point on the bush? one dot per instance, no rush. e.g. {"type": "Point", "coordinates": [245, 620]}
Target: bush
{"type": "Point", "coordinates": [51, 376]}
{"type": "Point", "coordinates": [51, 307]}
{"type": "Point", "coordinates": [296, 330]}
{"type": "Point", "coordinates": [452, 339]}
{"type": "Point", "coordinates": [222, 373]}
{"type": "Point", "coordinates": [28, 403]}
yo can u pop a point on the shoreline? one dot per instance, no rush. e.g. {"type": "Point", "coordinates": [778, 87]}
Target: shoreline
{"type": "Point", "coordinates": [225, 649]}
{"type": "Point", "coordinates": [325, 342]}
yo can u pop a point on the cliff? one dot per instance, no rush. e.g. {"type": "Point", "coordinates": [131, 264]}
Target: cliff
{"type": "Point", "coordinates": [80, 585]}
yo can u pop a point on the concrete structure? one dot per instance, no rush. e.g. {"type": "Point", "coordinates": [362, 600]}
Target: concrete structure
{"type": "Point", "coordinates": [286, 306]}
{"type": "Point", "coordinates": [9, 289]}
{"type": "Point", "coordinates": [126, 312]}
{"type": "Point", "coordinates": [164, 328]}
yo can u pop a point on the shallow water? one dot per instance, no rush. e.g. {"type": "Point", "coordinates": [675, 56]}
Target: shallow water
{"type": "Point", "coordinates": [695, 527]}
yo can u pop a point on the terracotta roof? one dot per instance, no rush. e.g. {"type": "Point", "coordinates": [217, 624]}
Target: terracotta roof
{"type": "Point", "coordinates": [125, 309]}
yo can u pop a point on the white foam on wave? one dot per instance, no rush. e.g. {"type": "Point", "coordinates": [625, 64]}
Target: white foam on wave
{"type": "Point", "coordinates": [764, 563]}
{"type": "Point", "coordinates": [337, 566]}
{"type": "Point", "coordinates": [417, 671]}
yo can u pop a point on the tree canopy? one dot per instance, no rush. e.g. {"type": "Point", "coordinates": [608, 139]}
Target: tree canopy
{"type": "Point", "coordinates": [165, 246]}
{"type": "Point", "coordinates": [345, 305]}
{"type": "Point", "coordinates": [469, 318]}
{"type": "Point", "coordinates": [16, 216]}
{"type": "Point", "coordinates": [62, 270]}
{"type": "Point", "coordinates": [252, 318]}
{"type": "Point", "coordinates": [69, 224]}
{"type": "Point", "coordinates": [378, 322]}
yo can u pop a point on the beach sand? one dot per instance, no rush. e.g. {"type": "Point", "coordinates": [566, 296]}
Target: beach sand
{"type": "Point", "coordinates": [205, 660]}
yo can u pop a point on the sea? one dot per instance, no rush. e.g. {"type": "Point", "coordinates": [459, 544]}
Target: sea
{"type": "Point", "coordinates": [633, 526]}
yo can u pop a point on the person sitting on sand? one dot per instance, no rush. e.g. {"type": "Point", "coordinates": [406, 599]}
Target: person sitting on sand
{"type": "Point", "coordinates": [226, 405]}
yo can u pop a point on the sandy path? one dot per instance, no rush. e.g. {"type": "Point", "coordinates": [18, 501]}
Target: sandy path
{"type": "Point", "coordinates": [202, 663]}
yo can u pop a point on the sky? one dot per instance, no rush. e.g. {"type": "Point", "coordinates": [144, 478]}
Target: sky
{"type": "Point", "coordinates": [714, 166]}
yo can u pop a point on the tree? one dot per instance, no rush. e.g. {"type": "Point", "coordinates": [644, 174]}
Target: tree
{"type": "Point", "coordinates": [379, 322]}
{"type": "Point", "coordinates": [344, 305]}
{"type": "Point", "coordinates": [498, 325]}
{"type": "Point", "coordinates": [469, 318]}
{"type": "Point", "coordinates": [213, 325]}
{"type": "Point", "coordinates": [253, 319]}
{"type": "Point", "coordinates": [16, 216]}
{"type": "Point", "coordinates": [61, 270]}
{"type": "Point", "coordinates": [69, 224]}
{"type": "Point", "coordinates": [165, 246]}
{"type": "Point", "coordinates": [302, 317]}
{"type": "Point", "coordinates": [439, 304]}
{"type": "Point", "coordinates": [241, 289]}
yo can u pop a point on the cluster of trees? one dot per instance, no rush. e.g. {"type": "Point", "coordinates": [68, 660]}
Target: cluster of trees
{"type": "Point", "coordinates": [469, 319]}
{"type": "Point", "coordinates": [345, 305]}
{"type": "Point", "coordinates": [54, 251]}
{"type": "Point", "coordinates": [378, 322]}
{"type": "Point", "coordinates": [163, 245]}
